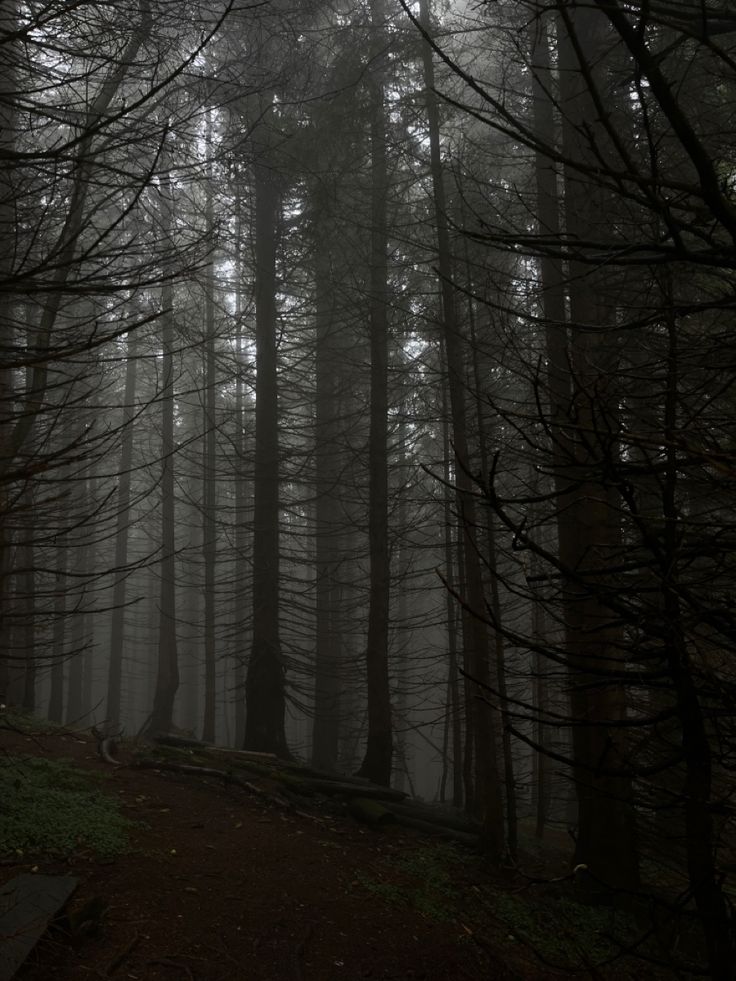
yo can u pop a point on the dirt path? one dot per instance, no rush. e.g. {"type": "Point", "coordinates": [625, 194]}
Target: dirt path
{"type": "Point", "coordinates": [222, 886]}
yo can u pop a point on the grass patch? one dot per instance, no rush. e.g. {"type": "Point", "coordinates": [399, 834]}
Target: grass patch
{"type": "Point", "coordinates": [53, 808]}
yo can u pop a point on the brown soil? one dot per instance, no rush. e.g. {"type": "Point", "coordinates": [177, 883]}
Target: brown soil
{"type": "Point", "coordinates": [221, 885]}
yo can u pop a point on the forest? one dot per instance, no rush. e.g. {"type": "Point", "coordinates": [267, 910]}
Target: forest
{"type": "Point", "coordinates": [367, 398]}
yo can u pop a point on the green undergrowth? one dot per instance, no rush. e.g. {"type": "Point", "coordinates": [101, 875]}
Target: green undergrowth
{"type": "Point", "coordinates": [564, 933]}
{"type": "Point", "coordinates": [25, 722]}
{"type": "Point", "coordinates": [438, 881]}
{"type": "Point", "coordinates": [424, 880]}
{"type": "Point", "coordinates": [52, 808]}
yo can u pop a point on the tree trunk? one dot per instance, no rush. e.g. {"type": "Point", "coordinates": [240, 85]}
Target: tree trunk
{"type": "Point", "coordinates": [117, 626]}
{"type": "Point", "coordinates": [56, 693]}
{"type": "Point", "coordinates": [209, 527]}
{"type": "Point", "coordinates": [167, 674]}
{"type": "Point", "coordinates": [8, 231]}
{"type": "Point", "coordinates": [27, 586]}
{"type": "Point", "coordinates": [558, 389]}
{"type": "Point", "coordinates": [452, 618]}
{"type": "Point", "coordinates": [377, 761]}
{"type": "Point", "coordinates": [327, 684]}
{"type": "Point", "coordinates": [705, 879]}
{"type": "Point", "coordinates": [606, 831]}
{"type": "Point", "coordinates": [265, 680]}
{"type": "Point", "coordinates": [512, 830]}
{"type": "Point", "coordinates": [75, 708]}
{"type": "Point", "coordinates": [241, 495]}
{"type": "Point", "coordinates": [487, 803]}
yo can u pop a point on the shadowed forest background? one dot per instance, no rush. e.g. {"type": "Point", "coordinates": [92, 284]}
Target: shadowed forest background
{"type": "Point", "coordinates": [367, 397]}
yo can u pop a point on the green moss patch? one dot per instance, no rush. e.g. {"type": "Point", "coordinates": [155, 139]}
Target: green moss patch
{"type": "Point", "coordinates": [50, 807]}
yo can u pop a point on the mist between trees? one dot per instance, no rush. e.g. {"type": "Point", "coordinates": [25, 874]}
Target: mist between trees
{"type": "Point", "coordinates": [367, 395]}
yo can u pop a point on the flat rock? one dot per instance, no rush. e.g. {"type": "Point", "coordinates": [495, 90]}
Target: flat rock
{"type": "Point", "coordinates": [28, 903]}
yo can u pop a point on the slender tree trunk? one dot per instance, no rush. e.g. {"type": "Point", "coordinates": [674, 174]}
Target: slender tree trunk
{"type": "Point", "coordinates": [209, 527]}
{"type": "Point", "coordinates": [167, 673]}
{"type": "Point", "coordinates": [27, 584]}
{"type": "Point", "coordinates": [553, 284]}
{"type": "Point", "coordinates": [512, 830]}
{"type": "Point", "coordinates": [56, 693]}
{"type": "Point", "coordinates": [606, 830]}
{"type": "Point", "coordinates": [705, 879]}
{"type": "Point", "coordinates": [326, 726]}
{"type": "Point", "coordinates": [190, 597]}
{"type": "Point", "coordinates": [78, 632]}
{"type": "Point", "coordinates": [453, 674]}
{"type": "Point", "coordinates": [541, 788]}
{"type": "Point", "coordinates": [8, 231]}
{"type": "Point", "coordinates": [117, 625]}
{"type": "Point", "coordinates": [89, 660]}
{"type": "Point", "coordinates": [241, 496]}
{"type": "Point", "coordinates": [402, 636]}
{"type": "Point", "coordinates": [265, 680]}
{"type": "Point", "coordinates": [379, 748]}
{"type": "Point", "coordinates": [487, 803]}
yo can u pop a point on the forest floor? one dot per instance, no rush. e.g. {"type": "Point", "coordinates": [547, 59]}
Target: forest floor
{"type": "Point", "coordinates": [219, 884]}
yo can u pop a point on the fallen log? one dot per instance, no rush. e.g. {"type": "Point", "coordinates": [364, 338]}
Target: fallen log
{"type": "Point", "coordinates": [227, 776]}
{"type": "Point", "coordinates": [435, 816]}
{"type": "Point", "coordinates": [289, 780]}
{"type": "Point", "coordinates": [246, 754]}
{"type": "Point", "coordinates": [342, 788]}
{"type": "Point", "coordinates": [180, 742]}
{"type": "Point", "coordinates": [438, 831]}
{"type": "Point", "coordinates": [120, 958]}
{"type": "Point", "coordinates": [370, 811]}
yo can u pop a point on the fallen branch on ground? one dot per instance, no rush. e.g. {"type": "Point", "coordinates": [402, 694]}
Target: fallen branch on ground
{"type": "Point", "coordinates": [120, 958]}
{"type": "Point", "coordinates": [208, 771]}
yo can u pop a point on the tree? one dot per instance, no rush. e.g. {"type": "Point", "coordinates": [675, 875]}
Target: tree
{"type": "Point", "coordinates": [264, 727]}
{"type": "Point", "coordinates": [117, 626]}
{"type": "Point", "coordinates": [486, 796]}
{"type": "Point", "coordinates": [379, 748]}
{"type": "Point", "coordinates": [167, 677]}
